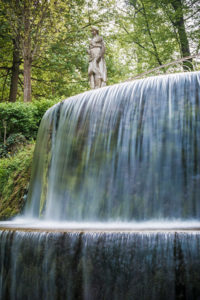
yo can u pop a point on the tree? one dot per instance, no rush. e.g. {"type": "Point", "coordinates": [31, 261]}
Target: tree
{"type": "Point", "coordinates": [15, 71]}
{"type": "Point", "coordinates": [33, 20]}
{"type": "Point", "coordinates": [16, 59]}
{"type": "Point", "coordinates": [5, 53]}
{"type": "Point", "coordinates": [176, 17]}
{"type": "Point", "coordinates": [36, 21]}
{"type": "Point", "coordinates": [43, 43]}
{"type": "Point", "coordinates": [170, 15]}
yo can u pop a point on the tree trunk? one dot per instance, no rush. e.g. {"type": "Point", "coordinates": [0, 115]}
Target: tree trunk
{"type": "Point", "coordinates": [180, 25]}
{"type": "Point", "coordinates": [15, 73]}
{"type": "Point", "coordinates": [27, 80]}
{"type": "Point", "coordinates": [27, 55]}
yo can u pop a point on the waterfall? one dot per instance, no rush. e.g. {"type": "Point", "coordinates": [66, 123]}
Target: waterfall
{"type": "Point", "coordinates": [107, 163]}
{"type": "Point", "coordinates": [121, 153]}
{"type": "Point", "coordinates": [94, 266]}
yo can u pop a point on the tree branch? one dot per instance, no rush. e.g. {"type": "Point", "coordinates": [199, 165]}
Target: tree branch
{"type": "Point", "coordinates": [137, 43]}
{"type": "Point", "coordinates": [150, 35]}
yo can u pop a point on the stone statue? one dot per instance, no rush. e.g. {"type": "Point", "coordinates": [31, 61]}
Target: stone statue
{"type": "Point", "coordinates": [97, 67]}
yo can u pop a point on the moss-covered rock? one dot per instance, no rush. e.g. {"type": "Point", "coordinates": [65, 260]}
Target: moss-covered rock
{"type": "Point", "coordinates": [14, 179]}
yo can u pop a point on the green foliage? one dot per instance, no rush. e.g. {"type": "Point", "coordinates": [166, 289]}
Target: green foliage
{"type": "Point", "coordinates": [14, 142]}
{"type": "Point", "coordinates": [20, 122]}
{"type": "Point", "coordinates": [139, 35]}
{"type": "Point", "coordinates": [22, 118]}
{"type": "Point", "coordinates": [3, 150]}
{"type": "Point", "coordinates": [14, 178]}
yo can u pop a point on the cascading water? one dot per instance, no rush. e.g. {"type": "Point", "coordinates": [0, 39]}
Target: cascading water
{"type": "Point", "coordinates": [127, 152]}
{"type": "Point", "coordinates": [112, 159]}
{"type": "Point", "coordinates": [90, 266]}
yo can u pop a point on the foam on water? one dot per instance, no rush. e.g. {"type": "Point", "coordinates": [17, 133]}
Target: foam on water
{"type": "Point", "coordinates": [153, 225]}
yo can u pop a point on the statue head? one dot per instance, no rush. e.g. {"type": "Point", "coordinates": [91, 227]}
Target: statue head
{"type": "Point", "coordinates": [94, 30]}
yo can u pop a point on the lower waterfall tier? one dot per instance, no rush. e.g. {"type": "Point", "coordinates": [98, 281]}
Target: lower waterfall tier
{"type": "Point", "coordinates": [95, 266]}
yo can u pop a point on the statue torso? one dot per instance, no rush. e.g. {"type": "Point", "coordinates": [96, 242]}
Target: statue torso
{"type": "Point", "coordinates": [96, 42]}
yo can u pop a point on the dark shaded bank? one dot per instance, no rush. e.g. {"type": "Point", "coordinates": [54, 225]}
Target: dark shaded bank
{"type": "Point", "coordinates": [15, 173]}
{"type": "Point", "coordinates": [45, 265]}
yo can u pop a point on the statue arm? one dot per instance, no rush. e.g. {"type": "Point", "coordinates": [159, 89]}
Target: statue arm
{"type": "Point", "coordinates": [103, 49]}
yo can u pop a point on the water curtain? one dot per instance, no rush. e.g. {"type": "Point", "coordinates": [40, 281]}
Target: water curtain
{"type": "Point", "coordinates": [121, 153]}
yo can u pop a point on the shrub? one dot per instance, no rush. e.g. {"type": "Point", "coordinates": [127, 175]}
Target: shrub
{"type": "Point", "coordinates": [19, 123]}
{"type": "Point", "coordinates": [23, 118]}
{"type": "Point", "coordinates": [14, 142]}
{"type": "Point", "coordinates": [14, 179]}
